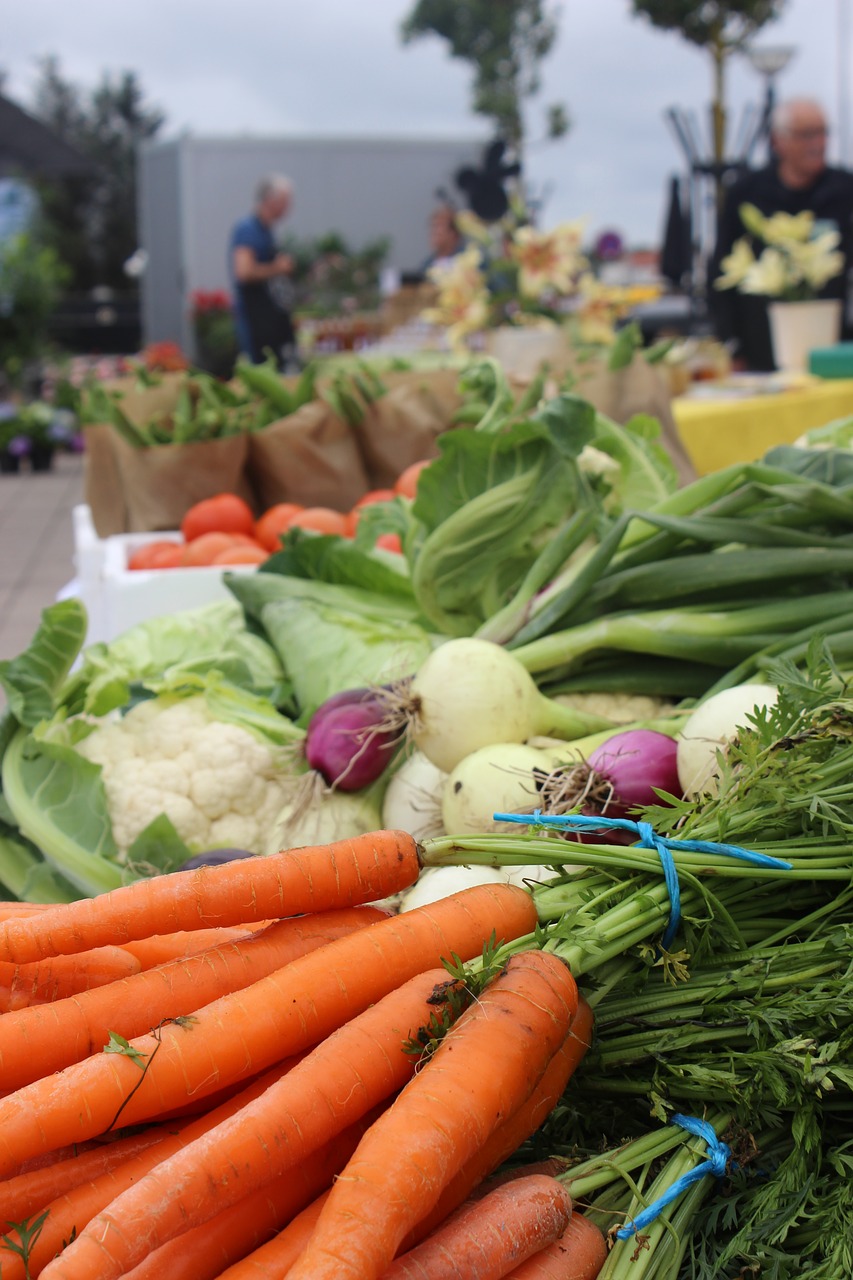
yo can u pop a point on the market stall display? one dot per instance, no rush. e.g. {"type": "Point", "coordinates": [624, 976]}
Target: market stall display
{"type": "Point", "coordinates": [739, 418]}
{"type": "Point", "coordinates": [701, 906]}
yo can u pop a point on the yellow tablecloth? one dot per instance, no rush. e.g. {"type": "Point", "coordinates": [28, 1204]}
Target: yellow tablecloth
{"type": "Point", "coordinates": [718, 432]}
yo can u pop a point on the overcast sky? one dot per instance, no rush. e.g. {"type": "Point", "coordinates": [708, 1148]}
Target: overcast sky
{"type": "Point", "coordinates": [337, 67]}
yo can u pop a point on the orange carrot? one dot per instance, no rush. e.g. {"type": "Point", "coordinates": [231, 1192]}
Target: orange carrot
{"type": "Point", "coordinates": [240, 1034]}
{"type": "Point", "coordinates": [36, 1041]}
{"type": "Point", "coordinates": [203, 1252]}
{"type": "Point", "coordinates": [293, 882]}
{"type": "Point", "coordinates": [351, 1072]}
{"type": "Point", "coordinates": [163, 947]}
{"type": "Point", "coordinates": [56, 977]}
{"type": "Point", "coordinates": [486, 1238]}
{"type": "Point", "coordinates": [277, 1256]}
{"type": "Point", "coordinates": [579, 1254]}
{"type": "Point", "coordinates": [482, 1071]}
{"type": "Point", "coordinates": [17, 910]}
{"type": "Point", "coordinates": [508, 1137]}
{"type": "Point", "coordinates": [24, 1195]}
{"type": "Point", "coordinates": [69, 1213]}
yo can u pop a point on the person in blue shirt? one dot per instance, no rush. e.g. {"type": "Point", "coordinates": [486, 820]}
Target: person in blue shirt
{"type": "Point", "coordinates": [263, 323]}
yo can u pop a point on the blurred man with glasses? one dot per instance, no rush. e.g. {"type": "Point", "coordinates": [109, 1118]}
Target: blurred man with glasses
{"type": "Point", "coordinates": [798, 178]}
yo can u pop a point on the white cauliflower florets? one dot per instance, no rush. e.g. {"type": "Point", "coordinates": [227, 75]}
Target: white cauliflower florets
{"type": "Point", "coordinates": [219, 785]}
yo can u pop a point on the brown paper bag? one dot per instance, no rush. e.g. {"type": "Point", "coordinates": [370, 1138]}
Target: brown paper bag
{"type": "Point", "coordinates": [102, 486]}
{"type": "Point", "coordinates": [162, 482]}
{"type": "Point", "coordinates": [310, 457]}
{"type": "Point", "coordinates": [402, 426]}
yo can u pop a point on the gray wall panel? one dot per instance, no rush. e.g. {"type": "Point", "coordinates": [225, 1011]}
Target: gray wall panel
{"type": "Point", "coordinates": [362, 188]}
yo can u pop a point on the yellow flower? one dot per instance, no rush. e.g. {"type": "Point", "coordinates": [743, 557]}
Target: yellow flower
{"type": "Point", "coordinates": [778, 228]}
{"type": "Point", "coordinates": [735, 266]}
{"type": "Point", "coordinates": [462, 273]}
{"type": "Point", "coordinates": [462, 306]}
{"type": "Point", "coordinates": [785, 228]}
{"type": "Point", "coordinates": [818, 260]}
{"type": "Point", "coordinates": [770, 274]}
{"type": "Point", "coordinates": [547, 260]}
{"type": "Point", "coordinates": [474, 228]}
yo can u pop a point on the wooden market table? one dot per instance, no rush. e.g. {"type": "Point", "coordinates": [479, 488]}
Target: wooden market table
{"type": "Point", "coordinates": [730, 426]}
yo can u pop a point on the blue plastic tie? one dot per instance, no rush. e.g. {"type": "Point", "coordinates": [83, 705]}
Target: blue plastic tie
{"type": "Point", "coordinates": [649, 839]}
{"type": "Point", "coordinates": [719, 1154]}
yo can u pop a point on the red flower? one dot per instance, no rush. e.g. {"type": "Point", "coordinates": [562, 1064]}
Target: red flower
{"type": "Point", "coordinates": [166, 357]}
{"type": "Point", "coordinates": [206, 300]}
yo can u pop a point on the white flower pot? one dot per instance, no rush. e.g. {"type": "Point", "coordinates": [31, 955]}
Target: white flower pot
{"type": "Point", "coordinates": [523, 349]}
{"type": "Point", "coordinates": [796, 328]}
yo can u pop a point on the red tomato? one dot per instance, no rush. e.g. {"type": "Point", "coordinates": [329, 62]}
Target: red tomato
{"type": "Point", "coordinates": [207, 546]}
{"type": "Point", "coordinates": [224, 513]}
{"type": "Point", "coordinates": [373, 495]}
{"type": "Point", "coordinates": [407, 481]}
{"type": "Point", "coordinates": [145, 557]}
{"type": "Point", "coordinates": [273, 522]}
{"type": "Point", "coordinates": [390, 542]}
{"type": "Point", "coordinates": [320, 520]}
{"type": "Point", "coordinates": [366, 500]}
{"type": "Point", "coordinates": [168, 557]}
{"type": "Point", "coordinates": [242, 553]}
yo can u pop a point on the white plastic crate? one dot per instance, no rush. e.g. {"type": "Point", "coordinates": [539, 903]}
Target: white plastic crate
{"type": "Point", "coordinates": [117, 597]}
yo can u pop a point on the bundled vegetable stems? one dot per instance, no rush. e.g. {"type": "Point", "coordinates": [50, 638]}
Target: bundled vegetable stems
{"type": "Point", "coordinates": [745, 1019]}
{"type": "Point", "coordinates": [678, 581]}
{"type": "Point", "coordinates": [206, 408]}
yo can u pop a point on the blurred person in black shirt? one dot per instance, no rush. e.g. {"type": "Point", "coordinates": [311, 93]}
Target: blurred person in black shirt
{"type": "Point", "coordinates": [797, 179]}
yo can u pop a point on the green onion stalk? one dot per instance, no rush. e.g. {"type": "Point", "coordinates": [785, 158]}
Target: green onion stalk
{"type": "Point", "coordinates": [676, 581]}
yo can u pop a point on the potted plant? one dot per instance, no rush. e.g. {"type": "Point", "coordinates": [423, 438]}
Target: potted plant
{"type": "Point", "coordinates": [13, 443]}
{"type": "Point", "coordinates": [217, 347]}
{"type": "Point", "coordinates": [797, 261]}
{"type": "Point", "coordinates": [34, 431]}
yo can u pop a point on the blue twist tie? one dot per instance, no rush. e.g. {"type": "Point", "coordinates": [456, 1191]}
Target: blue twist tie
{"type": "Point", "coordinates": [649, 839]}
{"type": "Point", "coordinates": [719, 1154]}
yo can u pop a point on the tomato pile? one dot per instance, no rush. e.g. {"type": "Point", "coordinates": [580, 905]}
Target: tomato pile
{"type": "Point", "coordinates": [223, 530]}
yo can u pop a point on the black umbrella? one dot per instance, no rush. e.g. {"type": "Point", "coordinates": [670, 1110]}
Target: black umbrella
{"type": "Point", "coordinates": [676, 261]}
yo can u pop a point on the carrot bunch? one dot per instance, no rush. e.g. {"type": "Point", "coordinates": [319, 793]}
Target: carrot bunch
{"type": "Point", "coordinates": [284, 1079]}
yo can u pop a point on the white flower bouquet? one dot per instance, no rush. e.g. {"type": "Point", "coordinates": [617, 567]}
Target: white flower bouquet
{"type": "Point", "coordinates": [797, 261]}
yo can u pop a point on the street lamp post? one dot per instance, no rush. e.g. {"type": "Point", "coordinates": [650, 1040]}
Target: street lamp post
{"type": "Point", "coordinates": [768, 61]}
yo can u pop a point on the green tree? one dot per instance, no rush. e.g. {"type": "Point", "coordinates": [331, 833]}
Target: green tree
{"type": "Point", "coordinates": [722, 27]}
{"type": "Point", "coordinates": [505, 41]}
{"type": "Point", "coordinates": [31, 280]}
{"type": "Point", "coordinates": [91, 219]}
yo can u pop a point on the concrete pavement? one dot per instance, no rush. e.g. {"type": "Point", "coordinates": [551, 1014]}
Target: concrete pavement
{"type": "Point", "coordinates": [36, 545]}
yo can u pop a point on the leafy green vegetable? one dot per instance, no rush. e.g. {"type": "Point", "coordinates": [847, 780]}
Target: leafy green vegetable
{"type": "Point", "coordinates": [837, 434]}
{"type": "Point", "coordinates": [33, 680]}
{"type": "Point", "coordinates": [159, 651]}
{"type": "Point", "coordinates": [628, 340]}
{"type": "Point", "coordinates": [56, 834]}
{"type": "Point", "coordinates": [157, 850]}
{"type": "Point", "coordinates": [59, 803]}
{"type": "Point", "coordinates": [487, 506]}
{"type": "Point", "coordinates": [646, 471]}
{"type": "Point", "coordinates": [327, 558]}
{"type": "Point", "coordinates": [328, 649]}
{"type": "Point", "coordinates": [25, 874]}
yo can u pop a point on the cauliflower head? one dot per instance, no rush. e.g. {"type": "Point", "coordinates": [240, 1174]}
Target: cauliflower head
{"type": "Point", "coordinates": [219, 784]}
